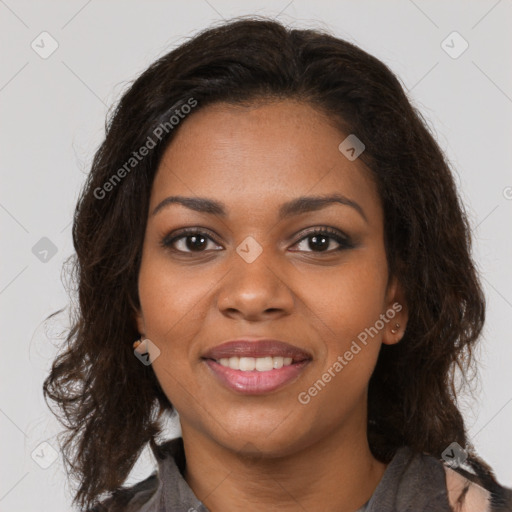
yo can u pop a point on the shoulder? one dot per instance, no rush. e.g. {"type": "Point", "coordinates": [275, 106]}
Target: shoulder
{"type": "Point", "coordinates": [426, 482]}
{"type": "Point", "coordinates": [467, 494]}
{"type": "Point", "coordinates": [133, 498]}
{"type": "Point", "coordinates": [129, 499]}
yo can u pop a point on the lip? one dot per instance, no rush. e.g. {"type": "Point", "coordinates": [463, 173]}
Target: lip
{"type": "Point", "coordinates": [248, 347]}
{"type": "Point", "coordinates": [256, 382]}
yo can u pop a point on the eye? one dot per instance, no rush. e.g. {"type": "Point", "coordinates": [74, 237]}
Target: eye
{"type": "Point", "coordinates": [189, 240]}
{"type": "Point", "coordinates": [195, 240]}
{"type": "Point", "coordinates": [321, 239]}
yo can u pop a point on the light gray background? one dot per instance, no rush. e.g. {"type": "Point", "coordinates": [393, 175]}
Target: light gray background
{"type": "Point", "coordinates": [52, 117]}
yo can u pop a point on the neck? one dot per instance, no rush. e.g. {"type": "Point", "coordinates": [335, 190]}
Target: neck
{"type": "Point", "coordinates": [337, 472]}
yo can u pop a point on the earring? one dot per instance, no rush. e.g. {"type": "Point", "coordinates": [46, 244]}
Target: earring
{"type": "Point", "coordinates": [395, 329]}
{"type": "Point", "coordinates": [137, 343]}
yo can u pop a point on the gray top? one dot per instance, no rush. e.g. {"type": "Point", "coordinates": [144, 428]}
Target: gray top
{"type": "Point", "coordinates": [411, 482]}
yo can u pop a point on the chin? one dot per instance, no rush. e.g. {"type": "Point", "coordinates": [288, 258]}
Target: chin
{"type": "Point", "coordinates": [266, 441]}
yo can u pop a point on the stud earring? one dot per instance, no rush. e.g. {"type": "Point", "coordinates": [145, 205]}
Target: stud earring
{"type": "Point", "coordinates": [395, 329]}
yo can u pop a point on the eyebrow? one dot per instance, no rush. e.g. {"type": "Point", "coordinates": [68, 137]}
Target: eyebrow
{"type": "Point", "coordinates": [296, 206]}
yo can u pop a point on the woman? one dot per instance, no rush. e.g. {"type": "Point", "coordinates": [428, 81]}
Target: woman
{"type": "Point", "coordinates": [271, 244]}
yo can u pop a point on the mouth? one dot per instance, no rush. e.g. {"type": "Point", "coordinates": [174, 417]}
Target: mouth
{"type": "Point", "coordinates": [260, 364]}
{"type": "Point", "coordinates": [256, 367]}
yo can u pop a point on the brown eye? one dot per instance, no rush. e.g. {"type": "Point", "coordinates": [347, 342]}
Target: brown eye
{"type": "Point", "coordinates": [322, 240]}
{"type": "Point", "coordinates": [189, 241]}
{"type": "Point", "coordinates": [195, 242]}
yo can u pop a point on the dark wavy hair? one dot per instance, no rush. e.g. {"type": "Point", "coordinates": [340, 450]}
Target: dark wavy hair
{"type": "Point", "coordinates": [110, 404]}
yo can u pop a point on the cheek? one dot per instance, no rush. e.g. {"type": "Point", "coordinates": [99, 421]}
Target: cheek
{"type": "Point", "coordinates": [349, 303]}
{"type": "Point", "coordinates": [349, 309]}
{"type": "Point", "coordinates": [173, 299]}
{"type": "Point", "coordinates": [173, 302]}
{"type": "Point", "coordinates": [351, 297]}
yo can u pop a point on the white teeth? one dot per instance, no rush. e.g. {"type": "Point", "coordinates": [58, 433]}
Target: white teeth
{"type": "Point", "coordinates": [277, 362]}
{"type": "Point", "coordinates": [264, 364]}
{"type": "Point", "coordinates": [261, 364]}
{"type": "Point", "coordinates": [247, 364]}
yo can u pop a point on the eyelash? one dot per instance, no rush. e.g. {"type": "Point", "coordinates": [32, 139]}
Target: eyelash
{"type": "Point", "coordinates": [343, 240]}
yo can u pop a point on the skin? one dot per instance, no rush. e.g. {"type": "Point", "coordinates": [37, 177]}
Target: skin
{"type": "Point", "coordinates": [268, 452]}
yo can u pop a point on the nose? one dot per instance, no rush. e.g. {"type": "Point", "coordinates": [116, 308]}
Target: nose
{"type": "Point", "coordinates": [255, 291]}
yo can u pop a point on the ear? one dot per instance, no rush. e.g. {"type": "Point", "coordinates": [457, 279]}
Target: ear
{"type": "Point", "coordinates": [139, 319]}
{"type": "Point", "coordinates": [396, 312]}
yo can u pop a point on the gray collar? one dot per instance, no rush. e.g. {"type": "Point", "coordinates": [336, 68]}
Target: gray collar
{"type": "Point", "coordinates": [410, 482]}
{"type": "Point", "coordinates": [173, 493]}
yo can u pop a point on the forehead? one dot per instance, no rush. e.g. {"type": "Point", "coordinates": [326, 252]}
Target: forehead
{"type": "Point", "coordinates": [259, 155]}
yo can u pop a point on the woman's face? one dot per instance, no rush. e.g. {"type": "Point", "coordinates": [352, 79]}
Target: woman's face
{"type": "Point", "coordinates": [265, 270]}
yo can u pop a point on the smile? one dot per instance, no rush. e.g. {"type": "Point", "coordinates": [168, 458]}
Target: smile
{"type": "Point", "coordinates": [260, 364]}
{"type": "Point", "coordinates": [248, 379]}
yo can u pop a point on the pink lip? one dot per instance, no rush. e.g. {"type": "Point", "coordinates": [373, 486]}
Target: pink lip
{"type": "Point", "coordinates": [255, 382]}
{"type": "Point", "coordinates": [256, 348]}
